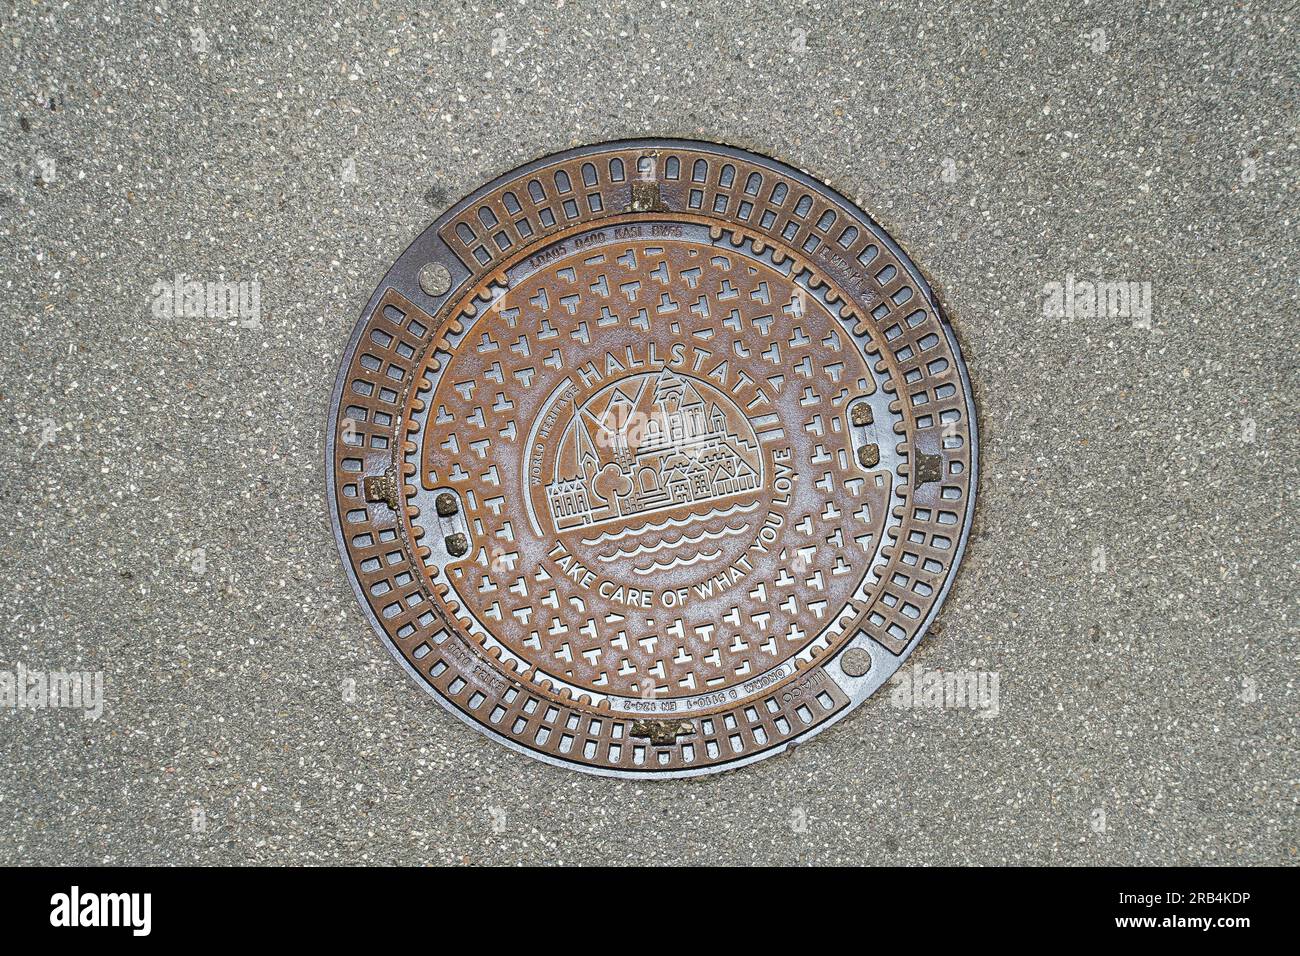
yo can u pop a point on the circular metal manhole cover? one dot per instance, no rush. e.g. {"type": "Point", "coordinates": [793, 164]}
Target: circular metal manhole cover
{"type": "Point", "coordinates": [652, 458]}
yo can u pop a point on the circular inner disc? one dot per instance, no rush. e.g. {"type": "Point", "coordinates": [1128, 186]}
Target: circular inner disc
{"type": "Point", "coordinates": [652, 458]}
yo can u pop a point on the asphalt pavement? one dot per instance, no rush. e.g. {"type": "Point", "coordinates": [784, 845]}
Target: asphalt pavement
{"type": "Point", "coordinates": [1131, 575]}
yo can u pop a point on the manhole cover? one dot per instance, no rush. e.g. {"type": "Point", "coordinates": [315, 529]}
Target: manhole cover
{"type": "Point", "coordinates": [652, 458]}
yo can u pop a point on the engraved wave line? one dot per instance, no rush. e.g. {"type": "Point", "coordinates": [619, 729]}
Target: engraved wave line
{"type": "Point", "coordinates": [675, 562]}
{"type": "Point", "coordinates": [640, 549]}
{"type": "Point", "coordinates": [670, 523]}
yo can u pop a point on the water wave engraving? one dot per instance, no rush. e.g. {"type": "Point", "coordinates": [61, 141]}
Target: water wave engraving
{"type": "Point", "coordinates": [669, 523]}
{"type": "Point", "coordinates": [669, 543]}
{"type": "Point", "coordinates": [676, 562]}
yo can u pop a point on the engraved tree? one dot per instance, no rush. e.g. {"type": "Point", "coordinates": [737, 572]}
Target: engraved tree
{"type": "Point", "coordinates": [610, 485]}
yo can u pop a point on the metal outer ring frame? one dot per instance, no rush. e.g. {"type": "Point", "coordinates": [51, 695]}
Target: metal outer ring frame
{"type": "Point", "coordinates": [429, 247]}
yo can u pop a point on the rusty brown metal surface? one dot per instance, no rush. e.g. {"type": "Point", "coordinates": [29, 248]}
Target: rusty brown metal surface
{"type": "Point", "coordinates": [652, 458]}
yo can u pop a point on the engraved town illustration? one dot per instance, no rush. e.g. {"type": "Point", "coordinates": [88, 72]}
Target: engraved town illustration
{"type": "Point", "coordinates": [648, 443]}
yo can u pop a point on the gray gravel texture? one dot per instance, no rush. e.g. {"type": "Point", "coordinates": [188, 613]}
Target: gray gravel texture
{"type": "Point", "coordinates": [1148, 708]}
